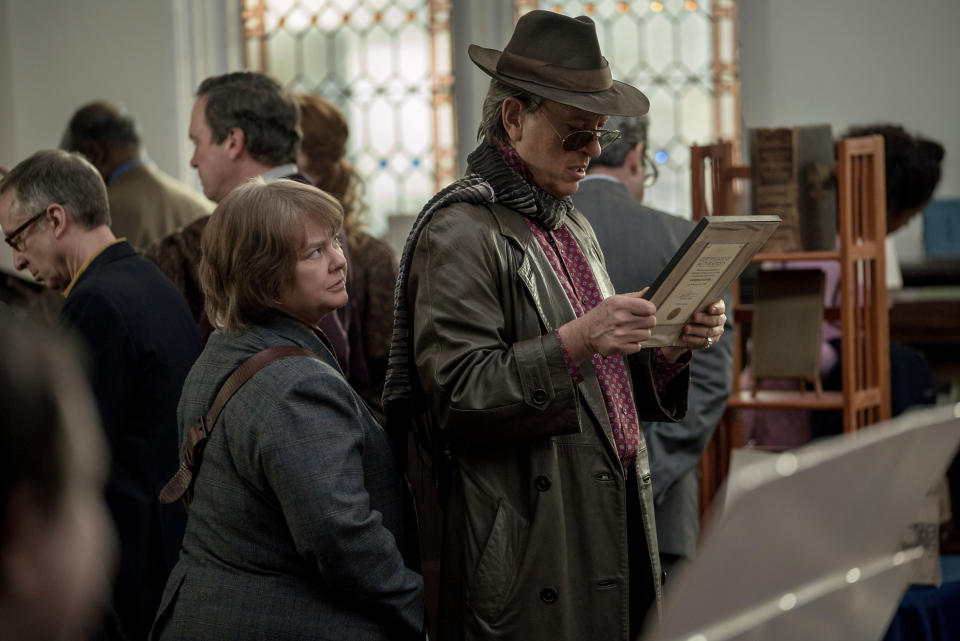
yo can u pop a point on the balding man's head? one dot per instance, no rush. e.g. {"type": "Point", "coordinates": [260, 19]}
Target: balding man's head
{"type": "Point", "coordinates": [103, 132]}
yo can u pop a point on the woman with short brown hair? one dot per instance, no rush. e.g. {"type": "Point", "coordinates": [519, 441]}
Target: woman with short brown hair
{"type": "Point", "coordinates": [296, 527]}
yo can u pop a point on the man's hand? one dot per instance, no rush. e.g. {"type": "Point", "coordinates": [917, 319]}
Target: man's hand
{"type": "Point", "coordinates": [618, 325]}
{"type": "Point", "coordinates": [702, 331]}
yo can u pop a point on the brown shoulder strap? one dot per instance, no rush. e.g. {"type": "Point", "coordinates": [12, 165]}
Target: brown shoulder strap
{"type": "Point", "coordinates": [182, 481]}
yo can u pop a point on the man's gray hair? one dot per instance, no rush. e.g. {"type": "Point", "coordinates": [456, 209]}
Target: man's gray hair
{"type": "Point", "coordinates": [633, 130]}
{"type": "Point", "coordinates": [491, 123]}
{"type": "Point", "coordinates": [259, 106]}
{"type": "Point", "coordinates": [65, 178]}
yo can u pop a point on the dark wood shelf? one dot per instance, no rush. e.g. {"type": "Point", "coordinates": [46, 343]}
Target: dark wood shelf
{"type": "Point", "coordinates": [792, 257]}
{"type": "Point", "coordinates": [783, 399]}
{"type": "Point", "coordinates": [743, 313]}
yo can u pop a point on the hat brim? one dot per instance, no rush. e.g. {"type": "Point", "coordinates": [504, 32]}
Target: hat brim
{"type": "Point", "coordinates": [620, 99]}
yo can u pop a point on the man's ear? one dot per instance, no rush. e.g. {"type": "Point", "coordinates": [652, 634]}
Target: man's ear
{"type": "Point", "coordinates": [511, 115]}
{"type": "Point", "coordinates": [235, 142]}
{"type": "Point", "coordinates": [96, 153]}
{"type": "Point", "coordinates": [634, 160]}
{"type": "Point", "coordinates": [58, 219]}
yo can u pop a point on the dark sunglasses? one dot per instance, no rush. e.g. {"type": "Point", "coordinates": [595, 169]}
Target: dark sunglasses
{"type": "Point", "coordinates": [583, 137]}
{"type": "Point", "coordinates": [11, 238]}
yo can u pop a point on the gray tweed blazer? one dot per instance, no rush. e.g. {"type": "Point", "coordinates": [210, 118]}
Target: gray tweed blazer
{"type": "Point", "coordinates": [297, 528]}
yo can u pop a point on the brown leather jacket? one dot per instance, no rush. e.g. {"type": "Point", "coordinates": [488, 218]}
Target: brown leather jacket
{"type": "Point", "coordinates": [535, 521]}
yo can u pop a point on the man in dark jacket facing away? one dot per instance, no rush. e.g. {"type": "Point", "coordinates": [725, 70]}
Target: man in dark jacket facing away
{"type": "Point", "coordinates": [141, 341]}
{"type": "Point", "coordinates": [637, 243]}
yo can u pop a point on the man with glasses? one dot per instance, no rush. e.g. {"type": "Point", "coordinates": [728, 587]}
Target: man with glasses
{"type": "Point", "coordinates": [141, 340]}
{"type": "Point", "coordinates": [524, 377]}
{"type": "Point", "coordinates": [638, 242]}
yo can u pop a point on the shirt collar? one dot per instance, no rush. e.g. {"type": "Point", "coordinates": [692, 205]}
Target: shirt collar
{"type": "Point", "coordinates": [281, 171]}
{"type": "Point", "coordinates": [599, 177]}
{"type": "Point", "coordinates": [124, 168]}
{"type": "Point", "coordinates": [86, 264]}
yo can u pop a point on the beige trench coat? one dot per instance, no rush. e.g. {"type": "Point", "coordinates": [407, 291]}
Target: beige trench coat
{"type": "Point", "coordinates": [535, 525]}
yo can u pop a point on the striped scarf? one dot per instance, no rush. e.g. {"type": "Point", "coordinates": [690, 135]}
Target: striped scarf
{"type": "Point", "coordinates": [490, 179]}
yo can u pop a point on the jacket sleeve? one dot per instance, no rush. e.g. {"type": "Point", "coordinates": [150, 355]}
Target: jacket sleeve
{"type": "Point", "coordinates": [311, 452]}
{"type": "Point", "coordinates": [483, 382]}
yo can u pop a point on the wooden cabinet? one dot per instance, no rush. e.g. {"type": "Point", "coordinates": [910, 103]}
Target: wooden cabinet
{"type": "Point", "coordinates": [862, 313]}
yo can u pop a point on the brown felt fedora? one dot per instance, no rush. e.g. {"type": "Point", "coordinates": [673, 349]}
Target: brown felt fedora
{"type": "Point", "coordinates": [558, 58]}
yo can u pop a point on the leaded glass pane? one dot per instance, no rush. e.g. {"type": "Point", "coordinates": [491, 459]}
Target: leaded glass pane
{"type": "Point", "coordinates": [373, 59]}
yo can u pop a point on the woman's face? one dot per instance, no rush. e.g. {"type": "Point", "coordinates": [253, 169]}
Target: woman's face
{"type": "Point", "coordinates": [320, 278]}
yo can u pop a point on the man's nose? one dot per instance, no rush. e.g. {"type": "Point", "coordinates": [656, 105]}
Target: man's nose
{"type": "Point", "coordinates": [19, 261]}
{"type": "Point", "coordinates": [593, 149]}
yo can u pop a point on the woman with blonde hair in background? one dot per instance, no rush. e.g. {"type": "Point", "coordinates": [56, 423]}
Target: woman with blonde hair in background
{"type": "Point", "coordinates": [322, 161]}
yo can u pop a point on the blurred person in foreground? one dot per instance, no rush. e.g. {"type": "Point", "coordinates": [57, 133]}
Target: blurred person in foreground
{"type": "Point", "coordinates": [145, 203]}
{"type": "Point", "coordinates": [637, 243]}
{"type": "Point", "coordinates": [141, 340]}
{"type": "Point", "coordinates": [58, 546]}
{"type": "Point", "coordinates": [372, 280]}
{"type": "Point", "coordinates": [296, 528]}
{"type": "Point", "coordinates": [522, 372]}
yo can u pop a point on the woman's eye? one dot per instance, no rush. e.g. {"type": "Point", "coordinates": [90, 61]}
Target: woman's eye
{"type": "Point", "coordinates": [316, 253]}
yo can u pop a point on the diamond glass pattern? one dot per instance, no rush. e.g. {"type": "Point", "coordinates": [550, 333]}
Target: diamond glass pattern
{"type": "Point", "coordinates": [387, 65]}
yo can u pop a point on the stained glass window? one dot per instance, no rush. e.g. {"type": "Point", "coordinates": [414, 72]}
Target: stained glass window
{"type": "Point", "coordinates": [387, 65]}
{"type": "Point", "coordinates": [682, 55]}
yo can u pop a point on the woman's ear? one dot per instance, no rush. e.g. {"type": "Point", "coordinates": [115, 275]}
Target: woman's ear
{"type": "Point", "coordinates": [512, 116]}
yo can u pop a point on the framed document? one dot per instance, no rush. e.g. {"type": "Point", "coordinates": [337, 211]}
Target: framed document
{"type": "Point", "coordinates": [709, 260]}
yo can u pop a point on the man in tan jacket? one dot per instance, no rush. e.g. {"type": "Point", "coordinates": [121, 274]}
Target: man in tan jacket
{"type": "Point", "coordinates": [145, 203]}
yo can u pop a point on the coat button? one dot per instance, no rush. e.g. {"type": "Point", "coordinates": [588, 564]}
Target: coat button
{"type": "Point", "coordinates": [539, 396]}
{"type": "Point", "coordinates": [542, 483]}
{"type": "Point", "coordinates": [548, 595]}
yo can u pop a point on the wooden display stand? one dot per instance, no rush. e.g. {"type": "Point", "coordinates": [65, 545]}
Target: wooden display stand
{"type": "Point", "coordinates": [863, 312]}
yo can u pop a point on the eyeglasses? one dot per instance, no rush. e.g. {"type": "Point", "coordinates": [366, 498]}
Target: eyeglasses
{"type": "Point", "coordinates": [650, 172]}
{"type": "Point", "coordinates": [17, 243]}
{"type": "Point", "coordinates": [583, 137]}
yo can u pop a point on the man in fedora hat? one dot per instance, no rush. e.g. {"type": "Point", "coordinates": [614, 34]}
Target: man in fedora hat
{"type": "Point", "coordinates": [522, 374]}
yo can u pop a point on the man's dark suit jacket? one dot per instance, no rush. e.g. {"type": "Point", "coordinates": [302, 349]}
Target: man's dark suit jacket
{"type": "Point", "coordinates": [141, 341]}
{"type": "Point", "coordinates": [637, 242]}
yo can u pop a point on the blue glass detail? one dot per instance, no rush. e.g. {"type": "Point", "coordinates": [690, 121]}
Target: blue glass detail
{"type": "Point", "coordinates": [416, 162]}
{"type": "Point", "coordinates": [661, 157]}
{"type": "Point", "coordinates": [383, 163]}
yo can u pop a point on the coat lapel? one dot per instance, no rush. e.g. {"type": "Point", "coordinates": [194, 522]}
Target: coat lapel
{"type": "Point", "coordinates": [554, 309]}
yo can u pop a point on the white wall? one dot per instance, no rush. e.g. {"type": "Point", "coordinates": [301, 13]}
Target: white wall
{"type": "Point", "coordinates": [147, 55]}
{"type": "Point", "coordinates": [64, 54]}
{"type": "Point", "coordinates": [7, 116]}
{"type": "Point", "coordinates": [855, 62]}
